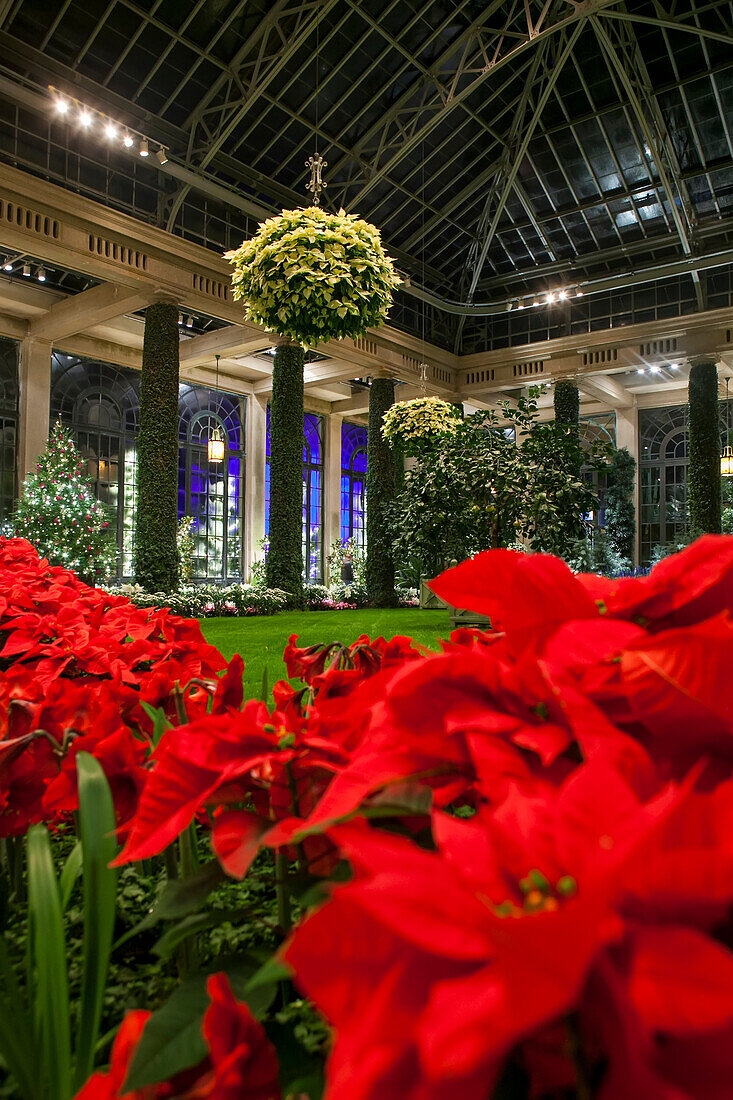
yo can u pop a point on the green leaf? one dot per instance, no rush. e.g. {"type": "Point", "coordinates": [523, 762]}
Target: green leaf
{"type": "Point", "coordinates": [49, 950]}
{"type": "Point", "coordinates": [158, 717]}
{"type": "Point", "coordinates": [172, 1040]}
{"type": "Point", "coordinates": [99, 848]}
{"type": "Point", "coordinates": [18, 1043]}
{"type": "Point", "coordinates": [183, 896]}
{"type": "Point", "coordinates": [69, 875]}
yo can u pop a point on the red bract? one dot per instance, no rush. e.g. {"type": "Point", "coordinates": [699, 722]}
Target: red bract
{"type": "Point", "coordinates": [75, 665]}
{"type": "Point", "coordinates": [505, 947]}
{"type": "Point", "coordinates": [242, 1064]}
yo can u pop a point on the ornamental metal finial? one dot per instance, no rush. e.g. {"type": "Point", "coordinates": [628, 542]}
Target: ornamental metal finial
{"type": "Point", "coordinates": [316, 183]}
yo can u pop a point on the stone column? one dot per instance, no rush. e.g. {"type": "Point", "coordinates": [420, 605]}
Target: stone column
{"type": "Point", "coordinates": [704, 469]}
{"type": "Point", "coordinates": [627, 435]}
{"type": "Point", "coordinates": [35, 402]}
{"type": "Point", "coordinates": [332, 487]}
{"type": "Point", "coordinates": [254, 483]}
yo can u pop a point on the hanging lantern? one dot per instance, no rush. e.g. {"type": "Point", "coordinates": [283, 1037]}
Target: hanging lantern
{"type": "Point", "coordinates": [726, 462]}
{"type": "Point", "coordinates": [215, 446]}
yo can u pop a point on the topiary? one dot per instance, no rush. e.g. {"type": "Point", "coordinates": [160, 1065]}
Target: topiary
{"type": "Point", "coordinates": [311, 275]}
{"type": "Point", "coordinates": [704, 469]}
{"type": "Point", "coordinates": [620, 510]}
{"type": "Point", "coordinates": [380, 493]}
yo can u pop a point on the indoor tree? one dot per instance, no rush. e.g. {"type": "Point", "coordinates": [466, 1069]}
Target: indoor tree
{"type": "Point", "coordinates": [59, 514]}
{"type": "Point", "coordinates": [494, 479]}
{"type": "Point", "coordinates": [310, 276]}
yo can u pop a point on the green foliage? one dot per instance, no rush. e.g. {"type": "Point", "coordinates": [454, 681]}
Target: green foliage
{"type": "Point", "coordinates": [703, 476]}
{"type": "Point", "coordinates": [566, 400]}
{"type": "Point", "coordinates": [380, 480]}
{"type": "Point", "coordinates": [620, 509]}
{"type": "Point", "coordinates": [186, 549]}
{"type": "Point", "coordinates": [284, 567]}
{"type": "Point", "coordinates": [313, 276]}
{"type": "Point", "coordinates": [726, 500]}
{"type": "Point", "coordinates": [257, 574]}
{"type": "Point", "coordinates": [156, 521]}
{"type": "Point", "coordinates": [414, 424]}
{"type": "Point", "coordinates": [35, 1021]}
{"type": "Point", "coordinates": [341, 549]}
{"type": "Point", "coordinates": [478, 488]}
{"type": "Point", "coordinates": [596, 554]}
{"type": "Point", "coordinates": [58, 513]}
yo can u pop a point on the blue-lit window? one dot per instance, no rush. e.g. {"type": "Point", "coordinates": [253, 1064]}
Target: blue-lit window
{"type": "Point", "coordinates": [211, 492]}
{"type": "Point", "coordinates": [312, 494]}
{"type": "Point", "coordinates": [353, 484]}
{"type": "Point", "coordinates": [101, 403]}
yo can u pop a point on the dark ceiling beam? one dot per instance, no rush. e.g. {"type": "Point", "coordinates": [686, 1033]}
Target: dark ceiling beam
{"type": "Point", "coordinates": [407, 123]}
{"type": "Point", "coordinates": [627, 65]}
{"type": "Point", "coordinates": [674, 23]}
{"type": "Point", "coordinates": [527, 121]}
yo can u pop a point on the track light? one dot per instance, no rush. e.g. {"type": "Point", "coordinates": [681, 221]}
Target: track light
{"type": "Point", "coordinates": [563, 295]}
{"type": "Point", "coordinates": [640, 370]}
{"type": "Point", "coordinates": [579, 293]}
{"type": "Point", "coordinates": [85, 119]}
{"type": "Point", "coordinates": [41, 274]}
{"type": "Point", "coordinates": [550, 298]}
{"type": "Point", "coordinates": [536, 302]}
{"type": "Point", "coordinates": [27, 270]}
{"type": "Point", "coordinates": [110, 131]}
{"type": "Point", "coordinates": [521, 305]}
{"type": "Point", "coordinates": [62, 106]}
{"type": "Point", "coordinates": [655, 370]}
{"type": "Point", "coordinates": [144, 148]}
{"type": "Point", "coordinates": [189, 322]}
{"type": "Point", "coordinates": [128, 141]}
{"type": "Point", "coordinates": [162, 156]}
{"type": "Point", "coordinates": [8, 266]}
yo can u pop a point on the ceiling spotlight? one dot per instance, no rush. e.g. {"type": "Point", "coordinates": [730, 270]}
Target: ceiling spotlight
{"type": "Point", "coordinates": [128, 141]}
{"type": "Point", "coordinates": [509, 307]}
{"type": "Point", "coordinates": [85, 119]}
{"type": "Point", "coordinates": [674, 366]}
{"type": "Point", "coordinates": [110, 131]}
{"type": "Point", "coordinates": [41, 275]}
{"type": "Point", "coordinates": [62, 106]}
{"type": "Point", "coordinates": [563, 295]}
{"type": "Point", "coordinates": [8, 266]}
{"type": "Point", "coordinates": [161, 156]}
{"type": "Point", "coordinates": [189, 322]}
{"type": "Point", "coordinates": [550, 299]}
{"type": "Point", "coordinates": [655, 370]}
{"type": "Point", "coordinates": [640, 370]}
{"type": "Point", "coordinates": [521, 305]}
{"type": "Point", "coordinates": [579, 293]}
{"type": "Point", "coordinates": [27, 270]}
{"type": "Point", "coordinates": [535, 302]}
{"type": "Point", "coordinates": [144, 148]}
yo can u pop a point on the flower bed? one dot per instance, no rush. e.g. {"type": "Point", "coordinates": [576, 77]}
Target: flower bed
{"type": "Point", "coordinates": [202, 601]}
{"type": "Point", "coordinates": [500, 870]}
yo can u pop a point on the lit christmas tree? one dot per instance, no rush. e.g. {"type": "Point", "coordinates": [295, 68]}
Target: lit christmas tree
{"type": "Point", "coordinates": [59, 514]}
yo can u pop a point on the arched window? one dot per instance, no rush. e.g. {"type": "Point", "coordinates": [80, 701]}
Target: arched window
{"type": "Point", "coordinates": [313, 497]}
{"type": "Point", "coordinates": [312, 494]}
{"type": "Point", "coordinates": [8, 425]}
{"type": "Point", "coordinates": [353, 483]}
{"type": "Point", "coordinates": [101, 403]}
{"type": "Point", "coordinates": [211, 492]}
{"type": "Point", "coordinates": [663, 462]}
{"type": "Point", "coordinates": [597, 429]}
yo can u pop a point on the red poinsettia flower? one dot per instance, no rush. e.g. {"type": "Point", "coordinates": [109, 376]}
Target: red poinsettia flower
{"type": "Point", "coordinates": [441, 971]}
{"type": "Point", "coordinates": [241, 1065]}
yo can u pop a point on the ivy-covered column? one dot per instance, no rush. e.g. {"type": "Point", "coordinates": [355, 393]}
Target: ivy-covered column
{"type": "Point", "coordinates": [567, 403]}
{"type": "Point", "coordinates": [380, 491]}
{"type": "Point", "coordinates": [285, 557]}
{"type": "Point", "coordinates": [156, 521]}
{"type": "Point", "coordinates": [704, 469]}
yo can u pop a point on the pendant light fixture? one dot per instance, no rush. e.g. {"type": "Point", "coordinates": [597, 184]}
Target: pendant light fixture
{"type": "Point", "coordinates": [215, 447]}
{"type": "Point", "coordinates": [726, 459]}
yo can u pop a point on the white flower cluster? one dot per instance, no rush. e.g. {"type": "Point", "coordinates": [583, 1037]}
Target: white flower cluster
{"type": "Point", "coordinates": [418, 420]}
{"type": "Point", "coordinates": [314, 276]}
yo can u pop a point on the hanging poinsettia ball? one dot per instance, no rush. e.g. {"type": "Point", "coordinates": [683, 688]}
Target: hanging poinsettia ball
{"type": "Point", "coordinates": [314, 276]}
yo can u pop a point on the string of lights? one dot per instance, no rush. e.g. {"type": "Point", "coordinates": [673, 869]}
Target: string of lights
{"type": "Point", "coordinates": [548, 298]}
{"type": "Point", "coordinates": [89, 121]}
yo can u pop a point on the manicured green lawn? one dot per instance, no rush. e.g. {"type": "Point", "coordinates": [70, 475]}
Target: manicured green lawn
{"type": "Point", "coordinates": [262, 639]}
